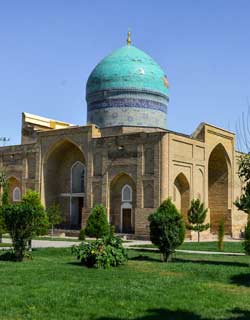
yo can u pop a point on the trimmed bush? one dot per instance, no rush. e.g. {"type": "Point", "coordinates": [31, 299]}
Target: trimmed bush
{"type": "Point", "coordinates": [221, 233]}
{"type": "Point", "coordinates": [82, 235]}
{"type": "Point", "coordinates": [167, 228]}
{"type": "Point", "coordinates": [246, 242]}
{"type": "Point", "coordinates": [102, 253]}
{"type": "Point", "coordinates": [97, 225]}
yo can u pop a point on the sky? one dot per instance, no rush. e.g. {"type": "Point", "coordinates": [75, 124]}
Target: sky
{"type": "Point", "coordinates": [49, 48]}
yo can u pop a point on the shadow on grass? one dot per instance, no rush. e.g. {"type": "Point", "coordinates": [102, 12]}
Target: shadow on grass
{"type": "Point", "coordinates": [165, 314]}
{"type": "Point", "coordinates": [242, 279]}
{"type": "Point", "coordinates": [76, 263]}
{"type": "Point", "coordinates": [7, 256]}
{"type": "Point", "coordinates": [142, 257]}
{"type": "Point", "coordinates": [211, 262]}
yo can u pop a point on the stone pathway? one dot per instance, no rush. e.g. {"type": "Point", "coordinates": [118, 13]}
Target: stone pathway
{"type": "Point", "coordinates": [131, 244]}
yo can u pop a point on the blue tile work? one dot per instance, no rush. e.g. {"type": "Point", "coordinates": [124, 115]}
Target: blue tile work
{"type": "Point", "coordinates": [116, 116]}
{"type": "Point", "coordinates": [127, 88]}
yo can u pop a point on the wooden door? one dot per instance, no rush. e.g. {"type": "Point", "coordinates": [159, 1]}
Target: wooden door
{"type": "Point", "coordinates": [126, 220]}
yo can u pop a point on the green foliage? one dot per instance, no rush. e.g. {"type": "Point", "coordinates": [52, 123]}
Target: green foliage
{"type": "Point", "coordinates": [82, 235]}
{"type": "Point", "coordinates": [54, 214]}
{"type": "Point", "coordinates": [97, 224]}
{"type": "Point", "coordinates": [3, 201]}
{"type": "Point", "coordinates": [246, 243]}
{"type": "Point", "coordinates": [32, 198]}
{"type": "Point", "coordinates": [167, 228]}
{"type": "Point", "coordinates": [23, 221]}
{"type": "Point", "coordinates": [221, 233]}
{"type": "Point", "coordinates": [243, 203]}
{"type": "Point", "coordinates": [197, 216]}
{"type": "Point", "coordinates": [102, 253]}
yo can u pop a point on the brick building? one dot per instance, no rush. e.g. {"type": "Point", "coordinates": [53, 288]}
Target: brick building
{"type": "Point", "coordinates": [125, 158]}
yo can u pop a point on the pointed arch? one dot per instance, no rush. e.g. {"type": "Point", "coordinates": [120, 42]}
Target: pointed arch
{"type": "Point", "coordinates": [122, 202]}
{"type": "Point", "coordinates": [64, 170]}
{"type": "Point", "coordinates": [219, 179]}
{"type": "Point", "coordinates": [14, 188]}
{"type": "Point", "coordinates": [182, 194]}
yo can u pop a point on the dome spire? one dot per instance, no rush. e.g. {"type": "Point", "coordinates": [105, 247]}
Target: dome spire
{"type": "Point", "coordinates": [128, 39]}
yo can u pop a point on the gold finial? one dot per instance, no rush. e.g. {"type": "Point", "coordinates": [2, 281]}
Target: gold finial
{"type": "Point", "coordinates": [128, 39]}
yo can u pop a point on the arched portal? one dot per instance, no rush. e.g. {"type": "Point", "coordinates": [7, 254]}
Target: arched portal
{"type": "Point", "coordinates": [64, 181]}
{"type": "Point", "coordinates": [182, 194]}
{"type": "Point", "coordinates": [122, 203]}
{"type": "Point", "coordinates": [218, 191]}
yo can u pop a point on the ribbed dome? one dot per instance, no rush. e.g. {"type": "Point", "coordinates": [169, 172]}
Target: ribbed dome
{"type": "Point", "coordinates": [127, 88]}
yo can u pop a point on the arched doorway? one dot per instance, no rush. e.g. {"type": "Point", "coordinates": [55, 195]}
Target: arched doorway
{"type": "Point", "coordinates": [218, 182]}
{"type": "Point", "coordinates": [64, 181]}
{"type": "Point", "coordinates": [182, 194]}
{"type": "Point", "coordinates": [122, 203]}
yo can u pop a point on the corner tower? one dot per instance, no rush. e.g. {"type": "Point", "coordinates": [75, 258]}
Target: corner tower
{"type": "Point", "coordinates": [127, 88]}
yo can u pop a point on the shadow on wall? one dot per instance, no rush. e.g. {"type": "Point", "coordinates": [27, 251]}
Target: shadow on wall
{"type": "Point", "coordinates": [165, 314]}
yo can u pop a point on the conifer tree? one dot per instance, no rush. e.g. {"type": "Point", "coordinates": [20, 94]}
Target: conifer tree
{"type": "Point", "coordinates": [196, 217]}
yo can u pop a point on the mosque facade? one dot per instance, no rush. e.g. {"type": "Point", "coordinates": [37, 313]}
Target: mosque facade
{"type": "Point", "coordinates": [125, 157]}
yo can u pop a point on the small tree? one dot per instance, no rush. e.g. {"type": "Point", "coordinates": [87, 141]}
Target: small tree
{"type": "Point", "coordinates": [54, 216]}
{"type": "Point", "coordinates": [97, 224]}
{"type": "Point", "coordinates": [196, 217]}
{"type": "Point", "coordinates": [246, 243]}
{"type": "Point", "coordinates": [167, 228]}
{"type": "Point", "coordinates": [3, 201]}
{"type": "Point", "coordinates": [23, 221]}
{"type": "Point", "coordinates": [221, 233]}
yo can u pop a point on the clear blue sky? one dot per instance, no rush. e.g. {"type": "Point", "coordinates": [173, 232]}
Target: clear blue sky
{"type": "Point", "coordinates": [48, 49]}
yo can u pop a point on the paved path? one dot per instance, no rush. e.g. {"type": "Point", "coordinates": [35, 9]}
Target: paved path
{"type": "Point", "coordinates": [131, 244]}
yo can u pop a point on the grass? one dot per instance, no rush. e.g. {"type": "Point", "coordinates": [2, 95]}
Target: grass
{"type": "Point", "coordinates": [54, 286]}
{"type": "Point", "coordinates": [4, 245]}
{"type": "Point", "coordinates": [206, 246]}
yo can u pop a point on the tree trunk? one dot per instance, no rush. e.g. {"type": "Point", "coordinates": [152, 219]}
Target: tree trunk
{"type": "Point", "coordinates": [198, 236]}
{"type": "Point", "coordinates": [1, 238]}
{"type": "Point", "coordinates": [167, 256]}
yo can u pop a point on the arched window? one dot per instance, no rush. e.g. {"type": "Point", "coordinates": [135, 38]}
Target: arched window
{"type": "Point", "coordinates": [126, 193]}
{"type": "Point", "coordinates": [77, 177]}
{"type": "Point", "coordinates": [16, 194]}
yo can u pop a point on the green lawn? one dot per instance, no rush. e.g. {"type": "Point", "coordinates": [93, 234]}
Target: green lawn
{"type": "Point", "coordinates": [206, 246]}
{"type": "Point", "coordinates": [54, 286]}
{"type": "Point", "coordinates": [4, 245]}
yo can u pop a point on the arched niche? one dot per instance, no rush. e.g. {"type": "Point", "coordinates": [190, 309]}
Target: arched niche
{"type": "Point", "coordinates": [182, 194]}
{"type": "Point", "coordinates": [64, 181]}
{"type": "Point", "coordinates": [122, 203]}
{"type": "Point", "coordinates": [219, 178]}
{"type": "Point", "coordinates": [14, 187]}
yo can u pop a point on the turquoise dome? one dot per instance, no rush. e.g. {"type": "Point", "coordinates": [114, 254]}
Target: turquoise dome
{"type": "Point", "coordinates": [127, 88]}
{"type": "Point", "coordinates": [127, 67]}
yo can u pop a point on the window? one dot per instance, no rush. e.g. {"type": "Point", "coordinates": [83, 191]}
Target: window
{"type": "Point", "coordinates": [127, 193]}
{"type": "Point", "coordinates": [77, 178]}
{"type": "Point", "coordinates": [16, 194]}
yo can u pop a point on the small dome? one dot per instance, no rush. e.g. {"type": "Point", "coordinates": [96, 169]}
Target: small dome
{"type": "Point", "coordinates": [127, 88]}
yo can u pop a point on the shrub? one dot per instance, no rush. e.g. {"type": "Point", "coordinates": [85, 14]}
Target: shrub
{"type": "Point", "coordinates": [102, 253]}
{"type": "Point", "coordinates": [82, 235]}
{"type": "Point", "coordinates": [196, 217]}
{"type": "Point", "coordinates": [167, 228]}
{"type": "Point", "coordinates": [221, 233]}
{"type": "Point", "coordinates": [23, 221]}
{"type": "Point", "coordinates": [97, 224]}
{"type": "Point", "coordinates": [246, 242]}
